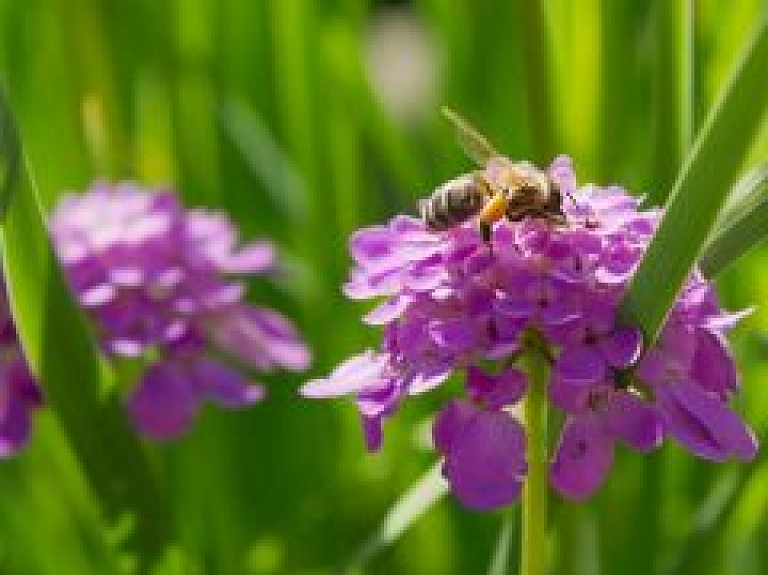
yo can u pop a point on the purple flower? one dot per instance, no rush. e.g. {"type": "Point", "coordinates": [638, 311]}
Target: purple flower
{"type": "Point", "coordinates": [593, 345]}
{"type": "Point", "coordinates": [691, 376]}
{"type": "Point", "coordinates": [495, 392]}
{"type": "Point", "coordinates": [483, 445]}
{"type": "Point", "coordinates": [19, 393]}
{"type": "Point", "coordinates": [598, 416]}
{"type": "Point", "coordinates": [484, 454]}
{"type": "Point", "coordinates": [446, 304]}
{"type": "Point", "coordinates": [164, 284]}
{"type": "Point", "coordinates": [172, 392]}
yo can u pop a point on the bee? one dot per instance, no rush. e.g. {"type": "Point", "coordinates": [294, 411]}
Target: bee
{"type": "Point", "coordinates": [500, 188]}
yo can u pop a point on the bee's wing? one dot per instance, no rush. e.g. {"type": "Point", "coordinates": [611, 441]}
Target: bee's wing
{"type": "Point", "coordinates": [474, 144]}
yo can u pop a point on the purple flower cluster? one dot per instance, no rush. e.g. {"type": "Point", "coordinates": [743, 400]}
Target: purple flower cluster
{"type": "Point", "coordinates": [448, 303]}
{"type": "Point", "coordinates": [160, 283]}
{"type": "Point", "coordinates": [19, 393]}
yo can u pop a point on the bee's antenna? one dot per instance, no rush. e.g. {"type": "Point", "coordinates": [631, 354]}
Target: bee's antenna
{"type": "Point", "coordinates": [475, 145]}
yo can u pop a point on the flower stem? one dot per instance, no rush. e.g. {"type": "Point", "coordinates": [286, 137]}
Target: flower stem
{"type": "Point", "coordinates": [534, 548]}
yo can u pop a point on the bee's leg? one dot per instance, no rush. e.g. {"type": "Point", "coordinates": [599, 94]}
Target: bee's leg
{"type": "Point", "coordinates": [486, 231]}
{"type": "Point", "coordinates": [493, 211]}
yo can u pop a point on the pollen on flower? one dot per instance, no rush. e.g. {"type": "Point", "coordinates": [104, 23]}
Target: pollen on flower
{"type": "Point", "coordinates": [447, 303]}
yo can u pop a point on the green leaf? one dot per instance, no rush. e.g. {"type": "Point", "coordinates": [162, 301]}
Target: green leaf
{"type": "Point", "coordinates": [9, 158]}
{"type": "Point", "coordinates": [266, 160]}
{"type": "Point", "coordinates": [421, 497]}
{"type": "Point", "coordinates": [500, 560]}
{"type": "Point", "coordinates": [743, 225]}
{"type": "Point", "coordinates": [538, 77]}
{"type": "Point", "coordinates": [673, 71]}
{"type": "Point", "coordinates": [63, 356]}
{"type": "Point", "coordinates": [700, 192]}
{"type": "Point", "coordinates": [714, 516]}
{"type": "Point", "coordinates": [580, 546]}
{"type": "Point", "coordinates": [474, 144]}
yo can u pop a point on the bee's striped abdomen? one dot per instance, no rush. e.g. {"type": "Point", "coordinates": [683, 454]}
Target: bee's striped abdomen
{"type": "Point", "coordinates": [453, 203]}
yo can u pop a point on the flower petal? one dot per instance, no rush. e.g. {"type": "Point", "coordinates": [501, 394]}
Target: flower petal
{"type": "Point", "coordinates": [254, 258]}
{"type": "Point", "coordinates": [584, 457]}
{"type": "Point", "coordinates": [352, 376]}
{"type": "Point", "coordinates": [453, 335]}
{"type": "Point", "coordinates": [430, 375]}
{"type": "Point", "coordinates": [449, 423]}
{"type": "Point", "coordinates": [713, 367]}
{"type": "Point", "coordinates": [704, 423]}
{"type": "Point", "coordinates": [570, 397]}
{"type": "Point", "coordinates": [388, 310]}
{"type": "Point", "coordinates": [165, 402]}
{"type": "Point", "coordinates": [373, 247]}
{"type": "Point", "coordinates": [580, 364]}
{"type": "Point", "coordinates": [224, 385]}
{"type": "Point", "coordinates": [634, 421]}
{"type": "Point", "coordinates": [622, 347]}
{"type": "Point", "coordinates": [495, 391]}
{"type": "Point", "coordinates": [486, 461]}
{"type": "Point", "coordinates": [261, 337]}
{"type": "Point", "coordinates": [372, 432]}
{"type": "Point", "coordinates": [14, 427]}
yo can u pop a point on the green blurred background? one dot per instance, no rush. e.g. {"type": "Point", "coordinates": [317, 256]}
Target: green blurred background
{"type": "Point", "coordinates": [305, 120]}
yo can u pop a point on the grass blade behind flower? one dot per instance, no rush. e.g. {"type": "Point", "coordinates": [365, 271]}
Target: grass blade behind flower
{"type": "Point", "coordinates": [500, 560]}
{"type": "Point", "coordinates": [744, 224]}
{"type": "Point", "coordinates": [699, 194]}
{"type": "Point", "coordinates": [422, 495]}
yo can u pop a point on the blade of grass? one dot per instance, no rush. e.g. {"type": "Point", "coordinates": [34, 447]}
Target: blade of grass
{"type": "Point", "coordinates": [538, 77]}
{"type": "Point", "coordinates": [414, 503]}
{"type": "Point", "coordinates": [195, 105]}
{"type": "Point", "coordinates": [90, 49]}
{"type": "Point", "coordinates": [63, 356]}
{"type": "Point", "coordinates": [673, 115]}
{"type": "Point", "coordinates": [707, 521]}
{"type": "Point", "coordinates": [578, 62]}
{"type": "Point", "coordinates": [10, 148]}
{"type": "Point", "coordinates": [266, 160]}
{"type": "Point", "coordinates": [154, 161]}
{"type": "Point", "coordinates": [580, 554]}
{"type": "Point", "coordinates": [674, 91]}
{"type": "Point", "coordinates": [500, 560]}
{"type": "Point", "coordinates": [744, 224]}
{"type": "Point", "coordinates": [699, 194]}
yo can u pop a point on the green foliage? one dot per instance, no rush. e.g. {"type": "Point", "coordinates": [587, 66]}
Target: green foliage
{"type": "Point", "coordinates": [701, 190]}
{"type": "Point", "coordinates": [742, 226]}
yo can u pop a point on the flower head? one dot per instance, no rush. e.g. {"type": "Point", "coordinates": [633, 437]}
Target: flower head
{"type": "Point", "coordinates": [165, 283]}
{"type": "Point", "coordinates": [19, 392]}
{"type": "Point", "coordinates": [448, 303]}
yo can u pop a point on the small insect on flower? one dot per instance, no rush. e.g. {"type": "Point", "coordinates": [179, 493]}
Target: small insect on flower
{"type": "Point", "coordinates": [501, 188]}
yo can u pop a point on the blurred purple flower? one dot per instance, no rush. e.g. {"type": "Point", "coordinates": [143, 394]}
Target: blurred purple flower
{"type": "Point", "coordinates": [19, 392]}
{"type": "Point", "coordinates": [449, 304]}
{"type": "Point", "coordinates": [161, 281]}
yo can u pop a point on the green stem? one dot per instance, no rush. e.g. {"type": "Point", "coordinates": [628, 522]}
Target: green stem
{"type": "Point", "coordinates": [534, 552]}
